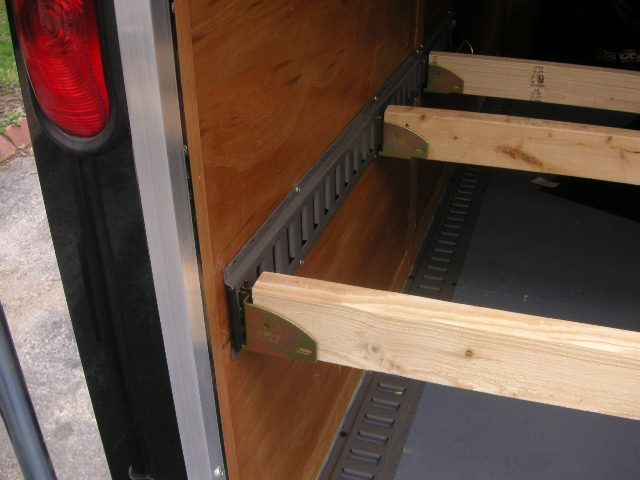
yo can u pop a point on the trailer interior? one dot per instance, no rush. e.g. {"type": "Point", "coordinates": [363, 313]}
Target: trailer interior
{"type": "Point", "coordinates": [267, 88]}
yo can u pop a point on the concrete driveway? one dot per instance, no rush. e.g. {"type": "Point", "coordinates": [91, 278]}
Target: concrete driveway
{"type": "Point", "coordinates": [35, 306]}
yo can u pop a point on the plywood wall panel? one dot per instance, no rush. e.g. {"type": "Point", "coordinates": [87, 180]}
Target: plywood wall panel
{"type": "Point", "coordinates": [277, 81]}
{"type": "Point", "coordinates": [267, 86]}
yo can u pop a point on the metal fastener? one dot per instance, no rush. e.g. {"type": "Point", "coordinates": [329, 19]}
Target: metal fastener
{"type": "Point", "coordinates": [218, 472]}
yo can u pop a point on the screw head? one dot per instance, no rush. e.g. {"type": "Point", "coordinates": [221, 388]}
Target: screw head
{"type": "Point", "coordinates": [302, 261]}
{"type": "Point", "coordinates": [219, 472]}
{"type": "Point", "coordinates": [297, 189]}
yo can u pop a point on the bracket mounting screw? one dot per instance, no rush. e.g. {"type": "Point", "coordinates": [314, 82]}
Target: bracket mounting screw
{"type": "Point", "coordinates": [219, 472]}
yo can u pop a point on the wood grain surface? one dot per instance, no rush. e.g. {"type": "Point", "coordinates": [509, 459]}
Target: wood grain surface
{"type": "Point", "coordinates": [267, 86]}
{"type": "Point", "coordinates": [533, 145]}
{"type": "Point", "coordinates": [548, 82]}
{"type": "Point", "coordinates": [544, 360]}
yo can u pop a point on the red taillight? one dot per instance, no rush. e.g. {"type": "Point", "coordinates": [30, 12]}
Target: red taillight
{"type": "Point", "coordinates": [60, 44]}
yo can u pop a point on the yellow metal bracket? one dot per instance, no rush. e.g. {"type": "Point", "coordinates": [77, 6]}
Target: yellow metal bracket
{"type": "Point", "coordinates": [402, 142]}
{"type": "Point", "coordinates": [271, 334]}
{"type": "Point", "coordinates": [441, 80]}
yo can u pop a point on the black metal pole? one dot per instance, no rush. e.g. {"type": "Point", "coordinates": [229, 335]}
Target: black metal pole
{"type": "Point", "coordinates": [18, 414]}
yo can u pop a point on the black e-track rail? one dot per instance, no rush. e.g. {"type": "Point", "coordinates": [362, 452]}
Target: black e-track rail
{"type": "Point", "coordinates": [288, 235]}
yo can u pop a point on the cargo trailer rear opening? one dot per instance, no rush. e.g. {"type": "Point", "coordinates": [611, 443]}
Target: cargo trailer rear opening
{"type": "Point", "coordinates": [347, 240]}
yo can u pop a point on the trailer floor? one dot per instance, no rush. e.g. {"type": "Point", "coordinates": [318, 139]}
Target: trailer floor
{"type": "Point", "coordinates": [538, 251]}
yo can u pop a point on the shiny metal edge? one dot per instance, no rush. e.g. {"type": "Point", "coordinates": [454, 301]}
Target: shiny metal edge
{"type": "Point", "coordinates": [147, 50]}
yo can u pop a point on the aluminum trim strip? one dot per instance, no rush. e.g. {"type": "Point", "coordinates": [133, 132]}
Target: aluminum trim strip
{"type": "Point", "coordinates": [146, 45]}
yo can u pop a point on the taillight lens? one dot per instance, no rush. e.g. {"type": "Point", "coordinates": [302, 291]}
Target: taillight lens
{"type": "Point", "coordinates": [60, 43]}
